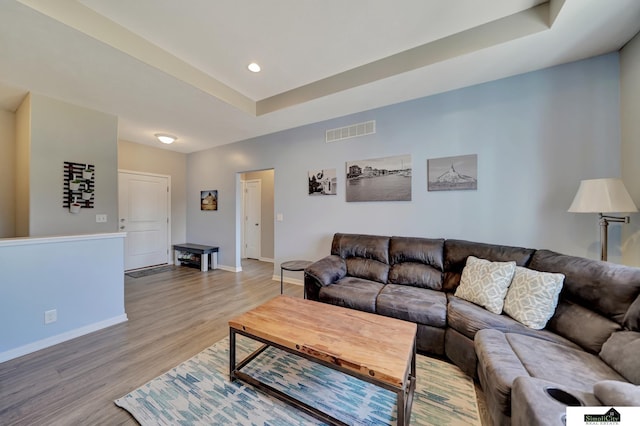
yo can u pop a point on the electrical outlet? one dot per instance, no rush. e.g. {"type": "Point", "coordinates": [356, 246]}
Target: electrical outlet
{"type": "Point", "coordinates": [50, 316]}
{"type": "Point", "coordinates": [101, 218]}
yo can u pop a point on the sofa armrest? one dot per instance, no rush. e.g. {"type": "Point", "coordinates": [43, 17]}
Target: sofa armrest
{"type": "Point", "coordinates": [324, 272]}
{"type": "Point", "coordinates": [531, 405]}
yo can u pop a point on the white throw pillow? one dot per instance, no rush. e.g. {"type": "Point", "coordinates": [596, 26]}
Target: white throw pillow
{"type": "Point", "coordinates": [533, 296]}
{"type": "Point", "coordinates": [485, 283]}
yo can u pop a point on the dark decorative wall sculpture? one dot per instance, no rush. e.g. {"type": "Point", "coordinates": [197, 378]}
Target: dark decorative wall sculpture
{"type": "Point", "coordinates": [79, 186]}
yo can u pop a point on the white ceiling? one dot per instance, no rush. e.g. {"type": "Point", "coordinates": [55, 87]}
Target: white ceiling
{"type": "Point", "coordinates": [180, 67]}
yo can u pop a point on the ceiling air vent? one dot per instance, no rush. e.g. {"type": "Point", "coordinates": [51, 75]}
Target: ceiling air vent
{"type": "Point", "coordinates": [353, 131]}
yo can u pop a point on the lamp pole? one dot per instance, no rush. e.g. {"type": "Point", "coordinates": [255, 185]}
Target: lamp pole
{"type": "Point", "coordinates": [604, 231]}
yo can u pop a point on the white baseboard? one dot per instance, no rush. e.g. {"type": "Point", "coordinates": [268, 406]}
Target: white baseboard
{"type": "Point", "coordinates": [59, 338]}
{"type": "Point", "coordinates": [295, 281]}
{"type": "Point", "coordinates": [266, 259]}
{"type": "Point", "coordinates": [230, 268]}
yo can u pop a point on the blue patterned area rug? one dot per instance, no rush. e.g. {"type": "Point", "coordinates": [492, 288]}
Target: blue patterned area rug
{"type": "Point", "coordinates": [198, 392]}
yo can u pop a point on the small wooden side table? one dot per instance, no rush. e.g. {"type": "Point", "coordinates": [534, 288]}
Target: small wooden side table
{"type": "Point", "coordinates": [292, 265]}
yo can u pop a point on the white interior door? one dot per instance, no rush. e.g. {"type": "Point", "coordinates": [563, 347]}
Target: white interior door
{"type": "Point", "coordinates": [144, 215]}
{"type": "Point", "coordinates": [252, 218]}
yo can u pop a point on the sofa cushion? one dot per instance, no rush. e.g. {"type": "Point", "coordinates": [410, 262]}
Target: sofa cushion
{"type": "Point", "coordinates": [367, 269]}
{"type": "Point", "coordinates": [468, 318]}
{"type": "Point", "coordinates": [416, 275]}
{"type": "Point", "coordinates": [604, 287]}
{"type": "Point", "coordinates": [620, 394]}
{"type": "Point", "coordinates": [457, 251]}
{"type": "Point", "coordinates": [413, 304]}
{"type": "Point", "coordinates": [582, 326]}
{"type": "Point", "coordinates": [572, 367]}
{"type": "Point", "coordinates": [351, 292]}
{"type": "Point", "coordinates": [485, 283]}
{"type": "Point", "coordinates": [622, 352]}
{"type": "Point", "coordinates": [532, 297]}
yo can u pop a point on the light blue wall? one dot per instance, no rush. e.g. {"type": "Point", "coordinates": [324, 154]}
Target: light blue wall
{"type": "Point", "coordinates": [536, 135]}
{"type": "Point", "coordinates": [79, 276]}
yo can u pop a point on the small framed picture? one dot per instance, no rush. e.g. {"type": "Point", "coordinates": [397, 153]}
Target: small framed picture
{"type": "Point", "coordinates": [452, 173]}
{"type": "Point", "coordinates": [322, 182]}
{"type": "Point", "coordinates": [209, 200]}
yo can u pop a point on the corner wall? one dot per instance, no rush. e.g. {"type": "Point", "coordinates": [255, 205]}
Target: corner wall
{"type": "Point", "coordinates": [630, 133]}
{"type": "Point", "coordinates": [64, 132]}
{"type": "Point", "coordinates": [7, 174]}
{"type": "Point", "coordinates": [23, 167]}
{"type": "Point", "coordinates": [536, 135]}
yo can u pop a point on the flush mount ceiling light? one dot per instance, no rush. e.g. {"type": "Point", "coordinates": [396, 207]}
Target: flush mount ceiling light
{"type": "Point", "coordinates": [164, 138]}
{"type": "Point", "coordinates": [253, 67]}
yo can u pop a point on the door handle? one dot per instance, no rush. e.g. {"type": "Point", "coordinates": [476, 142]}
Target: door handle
{"type": "Point", "coordinates": [257, 224]}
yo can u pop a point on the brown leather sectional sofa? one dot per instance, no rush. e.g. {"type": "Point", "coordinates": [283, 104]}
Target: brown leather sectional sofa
{"type": "Point", "coordinates": [588, 350]}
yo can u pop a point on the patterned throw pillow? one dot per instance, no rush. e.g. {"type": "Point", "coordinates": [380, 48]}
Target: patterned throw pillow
{"type": "Point", "coordinates": [485, 283]}
{"type": "Point", "coordinates": [533, 296]}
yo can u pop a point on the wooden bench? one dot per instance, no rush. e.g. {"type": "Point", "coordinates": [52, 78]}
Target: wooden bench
{"type": "Point", "coordinates": [203, 251]}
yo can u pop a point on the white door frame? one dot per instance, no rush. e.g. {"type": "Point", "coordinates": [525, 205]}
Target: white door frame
{"type": "Point", "coordinates": [243, 190]}
{"type": "Point", "coordinates": [168, 177]}
{"type": "Point", "coordinates": [244, 215]}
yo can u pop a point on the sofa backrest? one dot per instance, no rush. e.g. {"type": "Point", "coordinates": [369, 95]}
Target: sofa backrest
{"type": "Point", "coordinates": [366, 256]}
{"type": "Point", "coordinates": [416, 262]}
{"type": "Point", "coordinates": [597, 299]}
{"type": "Point", "coordinates": [410, 261]}
{"type": "Point", "coordinates": [457, 251]}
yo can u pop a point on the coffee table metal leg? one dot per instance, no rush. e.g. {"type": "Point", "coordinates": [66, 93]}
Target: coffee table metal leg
{"type": "Point", "coordinates": [281, 277]}
{"type": "Point", "coordinates": [401, 406]}
{"type": "Point", "coordinates": [405, 396]}
{"type": "Point", "coordinates": [232, 354]}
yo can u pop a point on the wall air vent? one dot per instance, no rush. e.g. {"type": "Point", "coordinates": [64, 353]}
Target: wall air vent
{"type": "Point", "coordinates": [353, 131]}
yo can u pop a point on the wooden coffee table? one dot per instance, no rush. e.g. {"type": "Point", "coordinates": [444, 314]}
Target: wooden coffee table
{"type": "Point", "coordinates": [373, 348]}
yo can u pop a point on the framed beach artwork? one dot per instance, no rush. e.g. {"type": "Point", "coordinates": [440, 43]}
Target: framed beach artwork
{"type": "Point", "coordinates": [322, 182]}
{"type": "Point", "coordinates": [209, 200]}
{"type": "Point", "coordinates": [379, 179]}
{"type": "Point", "coordinates": [452, 173]}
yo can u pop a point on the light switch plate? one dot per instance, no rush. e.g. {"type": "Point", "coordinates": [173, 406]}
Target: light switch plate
{"type": "Point", "coordinates": [101, 218]}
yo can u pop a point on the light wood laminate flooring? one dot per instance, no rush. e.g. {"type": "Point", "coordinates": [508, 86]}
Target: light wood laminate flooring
{"type": "Point", "coordinates": [172, 316]}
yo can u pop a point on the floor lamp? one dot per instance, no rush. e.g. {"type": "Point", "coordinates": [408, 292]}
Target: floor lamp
{"type": "Point", "coordinates": [603, 196]}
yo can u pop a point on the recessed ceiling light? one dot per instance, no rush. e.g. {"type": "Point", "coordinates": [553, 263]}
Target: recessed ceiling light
{"type": "Point", "coordinates": [164, 138]}
{"type": "Point", "coordinates": [253, 67]}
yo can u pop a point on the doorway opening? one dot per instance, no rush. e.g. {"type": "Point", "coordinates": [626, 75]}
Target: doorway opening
{"type": "Point", "coordinates": [257, 215]}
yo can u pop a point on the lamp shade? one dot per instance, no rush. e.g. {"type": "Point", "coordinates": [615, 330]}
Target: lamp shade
{"type": "Point", "coordinates": [602, 196]}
